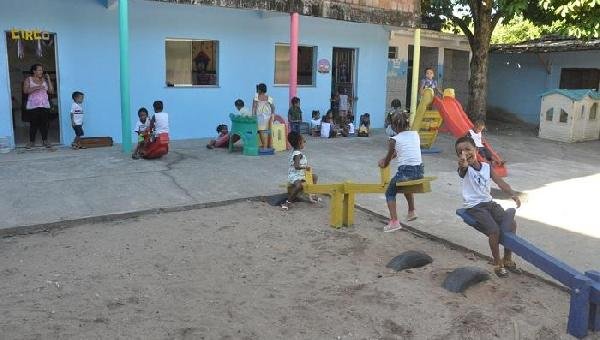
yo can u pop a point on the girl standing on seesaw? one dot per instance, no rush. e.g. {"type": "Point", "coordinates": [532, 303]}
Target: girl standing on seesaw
{"type": "Point", "coordinates": [406, 147]}
{"type": "Point", "coordinates": [297, 170]}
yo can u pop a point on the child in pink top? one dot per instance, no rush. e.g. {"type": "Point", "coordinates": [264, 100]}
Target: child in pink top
{"type": "Point", "coordinates": [222, 141]}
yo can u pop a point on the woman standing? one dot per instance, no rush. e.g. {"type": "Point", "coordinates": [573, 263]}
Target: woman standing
{"type": "Point", "coordinates": [37, 88]}
{"type": "Point", "coordinates": [264, 109]}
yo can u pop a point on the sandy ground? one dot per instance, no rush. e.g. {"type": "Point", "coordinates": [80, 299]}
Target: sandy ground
{"type": "Point", "coordinates": [250, 271]}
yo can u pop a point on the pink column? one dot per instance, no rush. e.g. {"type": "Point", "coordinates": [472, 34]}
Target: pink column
{"type": "Point", "coordinates": [294, 28]}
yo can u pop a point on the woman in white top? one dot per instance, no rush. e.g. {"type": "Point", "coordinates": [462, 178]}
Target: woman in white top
{"type": "Point", "coordinates": [406, 147]}
{"type": "Point", "coordinates": [264, 110]}
{"type": "Point", "coordinates": [37, 87]}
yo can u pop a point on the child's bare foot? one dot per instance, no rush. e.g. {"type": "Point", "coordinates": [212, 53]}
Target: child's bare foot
{"type": "Point", "coordinates": [411, 216]}
{"type": "Point", "coordinates": [208, 146]}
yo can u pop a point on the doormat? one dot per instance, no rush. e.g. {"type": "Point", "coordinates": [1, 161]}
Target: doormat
{"type": "Point", "coordinates": [96, 142]}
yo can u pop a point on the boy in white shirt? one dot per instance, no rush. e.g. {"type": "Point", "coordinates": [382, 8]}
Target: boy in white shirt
{"type": "Point", "coordinates": [477, 135]}
{"type": "Point", "coordinates": [476, 180]}
{"type": "Point", "coordinates": [242, 110]}
{"type": "Point", "coordinates": [160, 119]}
{"type": "Point", "coordinates": [77, 119]}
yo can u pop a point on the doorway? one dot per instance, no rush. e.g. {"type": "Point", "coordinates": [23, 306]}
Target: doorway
{"type": "Point", "coordinates": [343, 80]}
{"type": "Point", "coordinates": [22, 54]}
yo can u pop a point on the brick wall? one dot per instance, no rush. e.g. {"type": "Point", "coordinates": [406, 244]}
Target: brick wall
{"type": "Point", "coordinates": [401, 13]}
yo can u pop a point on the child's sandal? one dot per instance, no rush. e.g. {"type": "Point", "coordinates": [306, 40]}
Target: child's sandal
{"type": "Point", "coordinates": [511, 266]}
{"type": "Point", "coordinates": [285, 206]}
{"type": "Point", "coordinates": [314, 199]}
{"type": "Point", "coordinates": [74, 146]}
{"type": "Point", "coordinates": [500, 271]}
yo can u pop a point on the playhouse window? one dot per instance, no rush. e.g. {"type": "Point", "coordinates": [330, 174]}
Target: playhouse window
{"type": "Point", "coordinates": [563, 116]}
{"type": "Point", "coordinates": [593, 111]}
{"type": "Point", "coordinates": [191, 62]}
{"type": "Point", "coordinates": [306, 64]}
{"type": "Point", "coordinates": [550, 114]}
{"type": "Point", "coordinates": [392, 52]}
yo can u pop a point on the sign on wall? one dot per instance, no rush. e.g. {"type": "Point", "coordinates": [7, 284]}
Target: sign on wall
{"type": "Point", "coordinates": [324, 66]}
{"type": "Point", "coordinates": [35, 34]}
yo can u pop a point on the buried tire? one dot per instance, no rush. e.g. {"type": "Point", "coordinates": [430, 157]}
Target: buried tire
{"type": "Point", "coordinates": [462, 278]}
{"type": "Point", "coordinates": [409, 259]}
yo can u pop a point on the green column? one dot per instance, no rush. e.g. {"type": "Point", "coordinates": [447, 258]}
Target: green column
{"type": "Point", "coordinates": [414, 87]}
{"type": "Point", "coordinates": [124, 67]}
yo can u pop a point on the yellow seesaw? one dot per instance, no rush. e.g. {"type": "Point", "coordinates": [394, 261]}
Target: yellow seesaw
{"type": "Point", "coordinates": [342, 194]}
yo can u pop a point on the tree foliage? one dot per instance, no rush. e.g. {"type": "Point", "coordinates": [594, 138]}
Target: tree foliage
{"type": "Point", "coordinates": [580, 18]}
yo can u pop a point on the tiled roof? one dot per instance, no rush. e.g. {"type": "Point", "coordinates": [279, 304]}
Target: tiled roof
{"type": "Point", "coordinates": [547, 44]}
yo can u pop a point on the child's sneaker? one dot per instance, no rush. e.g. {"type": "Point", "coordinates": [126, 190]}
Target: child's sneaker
{"type": "Point", "coordinates": [500, 271]}
{"type": "Point", "coordinates": [392, 226]}
{"type": "Point", "coordinates": [411, 216]}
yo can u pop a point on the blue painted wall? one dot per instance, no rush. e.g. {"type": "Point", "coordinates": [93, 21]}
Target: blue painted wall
{"type": "Point", "coordinates": [516, 81]}
{"type": "Point", "coordinates": [87, 37]}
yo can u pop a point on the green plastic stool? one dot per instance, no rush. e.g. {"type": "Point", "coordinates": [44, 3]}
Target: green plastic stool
{"type": "Point", "coordinates": [246, 128]}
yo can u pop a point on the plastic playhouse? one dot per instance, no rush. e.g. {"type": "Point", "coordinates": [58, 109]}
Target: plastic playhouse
{"type": "Point", "coordinates": [570, 115]}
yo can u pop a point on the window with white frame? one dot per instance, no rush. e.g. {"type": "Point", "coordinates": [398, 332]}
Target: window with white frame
{"type": "Point", "coordinates": [192, 62]}
{"type": "Point", "coordinates": [306, 64]}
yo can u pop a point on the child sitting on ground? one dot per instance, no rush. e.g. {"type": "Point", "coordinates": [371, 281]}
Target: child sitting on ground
{"type": "Point", "coordinates": [476, 134]}
{"type": "Point", "coordinates": [222, 140]}
{"type": "Point", "coordinates": [141, 128]}
{"type": "Point", "coordinates": [406, 147]}
{"type": "Point", "coordinates": [298, 164]}
{"type": "Point", "coordinates": [327, 126]}
{"type": "Point", "coordinates": [77, 119]}
{"type": "Point", "coordinates": [315, 123]}
{"type": "Point", "coordinates": [350, 124]}
{"type": "Point", "coordinates": [363, 127]}
{"type": "Point", "coordinates": [475, 180]}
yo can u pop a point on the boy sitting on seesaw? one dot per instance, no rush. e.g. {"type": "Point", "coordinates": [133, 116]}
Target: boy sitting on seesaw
{"type": "Point", "coordinates": [475, 180]}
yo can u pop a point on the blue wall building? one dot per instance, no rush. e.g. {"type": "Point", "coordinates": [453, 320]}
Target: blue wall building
{"type": "Point", "coordinates": [86, 45]}
{"type": "Point", "coordinates": [519, 74]}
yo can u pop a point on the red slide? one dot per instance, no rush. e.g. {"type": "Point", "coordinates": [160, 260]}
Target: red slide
{"type": "Point", "coordinates": [457, 122]}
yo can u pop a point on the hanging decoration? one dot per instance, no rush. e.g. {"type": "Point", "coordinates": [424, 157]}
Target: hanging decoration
{"type": "Point", "coordinates": [38, 49]}
{"type": "Point", "coordinates": [20, 49]}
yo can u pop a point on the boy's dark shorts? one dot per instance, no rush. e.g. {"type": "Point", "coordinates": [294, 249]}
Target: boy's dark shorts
{"type": "Point", "coordinates": [488, 215]}
{"type": "Point", "coordinates": [78, 130]}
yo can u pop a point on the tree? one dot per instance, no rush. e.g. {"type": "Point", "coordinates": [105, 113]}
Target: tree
{"type": "Point", "coordinates": [580, 18]}
{"type": "Point", "coordinates": [477, 20]}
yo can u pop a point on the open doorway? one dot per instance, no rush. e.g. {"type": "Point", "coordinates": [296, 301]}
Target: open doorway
{"type": "Point", "coordinates": [22, 54]}
{"type": "Point", "coordinates": [343, 82]}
